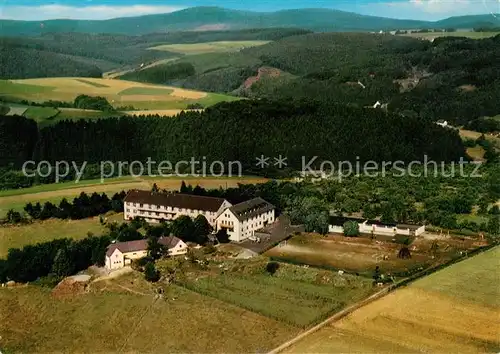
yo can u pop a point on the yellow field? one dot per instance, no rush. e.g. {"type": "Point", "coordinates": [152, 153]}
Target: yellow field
{"type": "Point", "coordinates": [209, 47]}
{"type": "Point", "coordinates": [160, 112]}
{"type": "Point", "coordinates": [456, 310]}
{"type": "Point", "coordinates": [118, 92]}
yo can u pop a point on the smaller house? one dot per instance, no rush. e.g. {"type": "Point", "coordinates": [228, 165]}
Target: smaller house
{"type": "Point", "coordinates": [121, 254]}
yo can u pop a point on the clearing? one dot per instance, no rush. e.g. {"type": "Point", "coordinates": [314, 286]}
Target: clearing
{"type": "Point", "coordinates": [361, 255]}
{"type": "Point", "coordinates": [455, 310]}
{"type": "Point", "coordinates": [209, 47]}
{"type": "Point", "coordinates": [118, 92]}
{"type": "Point", "coordinates": [18, 236]}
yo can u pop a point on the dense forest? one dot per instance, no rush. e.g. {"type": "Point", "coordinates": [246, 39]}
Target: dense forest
{"type": "Point", "coordinates": [451, 78]}
{"type": "Point", "coordinates": [20, 63]}
{"type": "Point", "coordinates": [237, 131]}
{"type": "Point", "coordinates": [79, 54]}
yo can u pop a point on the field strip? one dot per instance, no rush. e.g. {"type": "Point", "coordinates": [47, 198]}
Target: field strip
{"type": "Point", "coordinates": [333, 318]}
{"type": "Point", "coordinates": [371, 299]}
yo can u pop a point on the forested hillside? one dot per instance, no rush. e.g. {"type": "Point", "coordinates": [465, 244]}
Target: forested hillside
{"type": "Point", "coordinates": [241, 131]}
{"type": "Point", "coordinates": [21, 63]}
{"type": "Point", "coordinates": [206, 18]}
{"type": "Point", "coordinates": [452, 78]}
{"type": "Point", "coordinates": [79, 54]}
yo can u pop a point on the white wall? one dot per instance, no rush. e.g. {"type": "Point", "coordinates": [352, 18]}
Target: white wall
{"type": "Point", "coordinates": [115, 261]}
{"type": "Point", "coordinates": [378, 230]}
{"type": "Point", "coordinates": [180, 248]}
{"type": "Point", "coordinates": [228, 219]}
{"type": "Point", "coordinates": [244, 229]}
{"type": "Point", "coordinates": [335, 229]}
{"type": "Point", "coordinates": [154, 213]}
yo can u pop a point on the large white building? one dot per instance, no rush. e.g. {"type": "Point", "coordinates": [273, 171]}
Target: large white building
{"type": "Point", "coordinates": [155, 207]}
{"type": "Point", "coordinates": [242, 220]}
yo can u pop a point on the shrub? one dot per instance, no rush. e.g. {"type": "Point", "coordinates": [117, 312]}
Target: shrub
{"type": "Point", "coordinates": [151, 273]}
{"type": "Point", "coordinates": [209, 249]}
{"type": "Point", "coordinates": [272, 267]}
{"type": "Point", "coordinates": [404, 253]}
{"type": "Point", "coordinates": [351, 228]}
{"type": "Point", "coordinates": [195, 106]}
{"type": "Point", "coordinates": [89, 102]}
{"type": "Point", "coordinates": [140, 264]}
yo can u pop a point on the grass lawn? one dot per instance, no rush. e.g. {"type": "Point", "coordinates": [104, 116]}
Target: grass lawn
{"type": "Point", "coordinates": [145, 91]}
{"type": "Point", "coordinates": [111, 319]}
{"type": "Point", "coordinates": [43, 231]}
{"type": "Point", "coordinates": [209, 47]}
{"type": "Point", "coordinates": [294, 295]}
{"type": "Point", "coordinates": [77, 114]}
{"type": "Point", "coordinates": [10, 88]}
{"type": "Point", "coordinates": [475, 280]}
{"type": "Point", "coordinates": [40, 114]}
{"type": "Point", "coordinates": [478, 219]}
{"type": "Point", "coordinates": [299, 304]}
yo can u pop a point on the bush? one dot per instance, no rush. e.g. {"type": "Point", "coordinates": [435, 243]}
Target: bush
{"type": "Point", "coordinates": [141, 263]}
{"type": "Point", "coordinates": [272, 267]}
{"type": "Point", "coordinates": [14, 217]}
{"type": "Point", "coordinates": [151, 273]}
{"type": "Point", "coordinates": [89, 102]}
{"type": "Point", "coordinates": [209, 249]}
{"type": "Point", "coordinates": [195, 106]}
{"type": "Point", "coordinates": [351, 228]}
{"type": "Point", "coordinates": [404, 253]}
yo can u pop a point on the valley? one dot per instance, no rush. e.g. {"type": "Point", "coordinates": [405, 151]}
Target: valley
{"type": "Point", "coordinates": [221, 180]}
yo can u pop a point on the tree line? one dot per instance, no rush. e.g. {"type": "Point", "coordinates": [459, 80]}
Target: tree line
{"type": "Point", "coordinates": [236, 131]}
{"type": "Point", "coordinates": [60, 258]}
{"type": "Point", "coordinates": [82, 207]}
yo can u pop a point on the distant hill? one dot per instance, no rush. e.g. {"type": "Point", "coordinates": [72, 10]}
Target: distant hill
{"type": "Point", "coordinates": [451, 78]}
{"type": "Point", "coordinates": [84, 54]}
{"type": "Point", "coordinates": [216, 18]}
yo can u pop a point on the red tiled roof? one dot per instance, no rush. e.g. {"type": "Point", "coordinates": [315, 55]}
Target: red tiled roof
{"type": "Point", "coordinates": [184, 201]}
{"type": "Point", "coordinates": [126, 247]}
{"type": "Point", "coordinates": [170, 241]}
{"type": "Point", "coordinates": [141, 245]}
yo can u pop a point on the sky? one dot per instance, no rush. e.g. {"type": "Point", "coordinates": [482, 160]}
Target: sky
{"type": "Point", "coordinates": [430, 10]}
